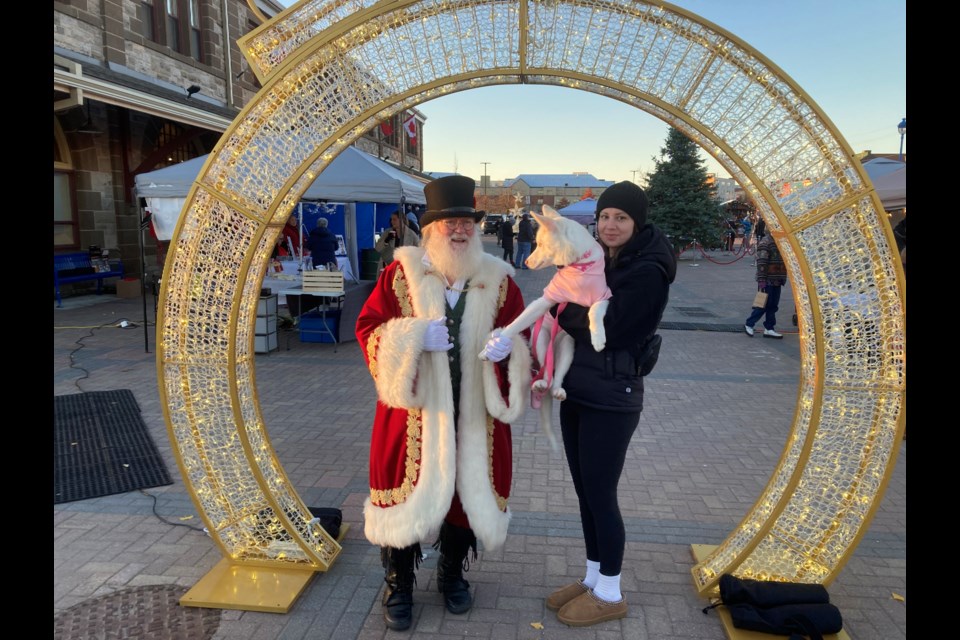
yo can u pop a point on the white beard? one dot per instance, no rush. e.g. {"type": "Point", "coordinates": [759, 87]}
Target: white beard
{"type": "Point", "coordinates": [454, 260]}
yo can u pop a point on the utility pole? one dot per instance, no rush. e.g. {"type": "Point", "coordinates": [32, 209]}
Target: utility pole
{"type": "Point", "coordinates": [485, 183]}
{"type": "Point", "coordinates": [634, 172]}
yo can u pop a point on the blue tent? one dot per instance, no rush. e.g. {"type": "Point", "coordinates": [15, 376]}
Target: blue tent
{"type": "Point", "coordinates": [583, 211]}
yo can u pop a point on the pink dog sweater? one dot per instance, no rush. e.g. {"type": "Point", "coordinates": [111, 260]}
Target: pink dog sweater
{"type": "Point", "coordinates": [582, 282]}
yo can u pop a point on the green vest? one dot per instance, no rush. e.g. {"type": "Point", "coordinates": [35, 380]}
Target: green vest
{"type": "Point", "coordinates": [454, 320]}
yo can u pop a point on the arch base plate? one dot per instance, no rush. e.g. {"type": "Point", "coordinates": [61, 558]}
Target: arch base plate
{"type": "Point", "coordinates": [248, 588]}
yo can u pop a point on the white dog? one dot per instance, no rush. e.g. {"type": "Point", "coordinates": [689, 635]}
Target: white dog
{"type": "Point", "coordinates": [580, 279]}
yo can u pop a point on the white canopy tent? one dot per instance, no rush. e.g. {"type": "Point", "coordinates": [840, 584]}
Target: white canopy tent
{"type": "Point", "coordinates": [353, 176]}
{"type": "Point", "coordinates": [889, 177]}
{"type": "Point", "coordinates": [892, 189]}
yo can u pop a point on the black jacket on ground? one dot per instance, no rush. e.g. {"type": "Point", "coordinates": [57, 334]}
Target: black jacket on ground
{"type": "Point", "coordinates": [323, 245]}
{"type": "Point", "coordinates": [639, 279]}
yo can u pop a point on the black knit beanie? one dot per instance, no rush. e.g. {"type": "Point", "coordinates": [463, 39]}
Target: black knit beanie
{"type": "Point", "coordinates": [628, 197]}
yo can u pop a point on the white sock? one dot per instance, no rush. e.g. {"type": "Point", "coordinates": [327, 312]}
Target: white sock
{"type": "Point", "coordinates": [608, 588]}
{"type": "Point", "coordinates": [593, 572]}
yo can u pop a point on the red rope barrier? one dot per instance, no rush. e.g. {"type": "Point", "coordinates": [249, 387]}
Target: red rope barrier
{"type": "Point", "coordinates": [740, 254]}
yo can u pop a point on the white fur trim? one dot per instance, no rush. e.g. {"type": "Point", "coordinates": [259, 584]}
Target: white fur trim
{"type": "Point", "coordinates": [404, 524]}
{"type": "Point", "coordinates": [518, 375]}
{"type": "Point", "coordinates": [398, 360]}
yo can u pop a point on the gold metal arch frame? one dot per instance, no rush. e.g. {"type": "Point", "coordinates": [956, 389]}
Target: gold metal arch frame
{"type": "Point", "coordinates": [332, 69]}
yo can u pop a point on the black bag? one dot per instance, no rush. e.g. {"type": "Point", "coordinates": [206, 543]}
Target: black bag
{"type": "Point", "coordinates": [761, 593]}
{"type": "Point", "coordinates": [649, 354]}
{"type": "Point", "coordinates": [781, 608]}
{"type": "Point", "coordinates": [330, 519]}
{"type": "Point", "coordinates": [794, 620]}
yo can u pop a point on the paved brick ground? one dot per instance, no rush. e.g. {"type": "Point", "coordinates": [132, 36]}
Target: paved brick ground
{"type": "Point", "coordinates": [718, 410]}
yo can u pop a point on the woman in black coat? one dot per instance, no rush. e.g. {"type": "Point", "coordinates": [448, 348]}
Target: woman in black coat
{"type": "Point", "coordinates": [605, 395]}
{"type": "Point", "coordinates": [506, 238]}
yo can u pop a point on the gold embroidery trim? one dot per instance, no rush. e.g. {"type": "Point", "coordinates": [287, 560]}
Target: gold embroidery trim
{"type": "Point", "coordinates": [402, 289]}
{"type": "Point", "coordinates": [501, 501]}
{"type": "Point", "coordinates": [397, 495]}
{"type": "Point", "coordinates": [502, 294]}
{"type": "Point", "coordinates": [373, 343]}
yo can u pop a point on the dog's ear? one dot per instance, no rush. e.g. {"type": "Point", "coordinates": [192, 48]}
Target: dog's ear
{"type": "Point", "coordinates": [550, 211]}
{"type": "Point", "coordinates": [546, 221]}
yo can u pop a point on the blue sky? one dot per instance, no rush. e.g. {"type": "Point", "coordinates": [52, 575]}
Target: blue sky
{"type": "Point", "coordinates": [849, 56]}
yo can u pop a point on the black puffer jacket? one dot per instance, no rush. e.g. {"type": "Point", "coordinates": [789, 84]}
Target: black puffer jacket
{"type": "Point", "coordinates": [639, 279]}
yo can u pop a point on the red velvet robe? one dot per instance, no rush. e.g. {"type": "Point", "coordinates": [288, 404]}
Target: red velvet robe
{"type": "Point", "coordinates": [422, 470]}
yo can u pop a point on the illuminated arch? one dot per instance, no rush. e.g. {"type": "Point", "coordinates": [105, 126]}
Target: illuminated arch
{"type": "Point", "coordinates": [332, 69]}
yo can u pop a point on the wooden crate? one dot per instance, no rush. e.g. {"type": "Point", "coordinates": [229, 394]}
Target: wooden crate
{"type": "Point", "coordinates": [323, 281]}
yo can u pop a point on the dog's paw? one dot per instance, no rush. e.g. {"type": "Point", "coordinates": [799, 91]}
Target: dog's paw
{"type": "Point", "coordinates": [560, 394]}
{"type": "Point", "coordinates": [598, 343]}
{"type": "Point", "coordinates": [539, 385]}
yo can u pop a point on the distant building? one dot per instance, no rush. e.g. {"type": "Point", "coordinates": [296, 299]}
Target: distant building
{"type": "Point", "coordinates": [537, 189]}
{"type": "Point", "coordinates": [140, 85]}
{"type": "Point", "coordinates": [725, 187]}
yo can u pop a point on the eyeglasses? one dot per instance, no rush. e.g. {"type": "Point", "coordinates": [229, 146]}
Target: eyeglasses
{"type": "Point", "coordinates": [453, 225]}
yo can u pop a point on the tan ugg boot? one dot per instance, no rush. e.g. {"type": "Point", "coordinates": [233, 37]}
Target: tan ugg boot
{"type": "Point", "coordinates": [563, 595]}
{"type": "Point", "coordinates": [587, 609]}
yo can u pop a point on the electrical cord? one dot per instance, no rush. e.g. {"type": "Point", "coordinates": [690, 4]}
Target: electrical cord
{"type": "Point", "coordinates": [153, 507]}
{"type": "Point", "coordinates": [121, 323]}
{"type": "Point", "coordinates": [73, 364]}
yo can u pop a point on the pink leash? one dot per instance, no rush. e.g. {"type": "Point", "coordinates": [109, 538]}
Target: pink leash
{"type": "Point", "coordinates": [546, 371]}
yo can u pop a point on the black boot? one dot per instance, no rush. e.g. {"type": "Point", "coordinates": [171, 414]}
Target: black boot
{"type": "Point", "coordinates": [400, 578]}
{"type": "Point", "coordinates": [454, 543]}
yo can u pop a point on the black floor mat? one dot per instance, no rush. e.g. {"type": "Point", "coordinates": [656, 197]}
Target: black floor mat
{"type": "Point", "coordinates": [101, 446]}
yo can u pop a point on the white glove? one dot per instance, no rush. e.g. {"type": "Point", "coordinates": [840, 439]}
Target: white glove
{"type": "Point", "coordinates": [497, 348]}
{"type": "Point", "coordinates": [437, 337]}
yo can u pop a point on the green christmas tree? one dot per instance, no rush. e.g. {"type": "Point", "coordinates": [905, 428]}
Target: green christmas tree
{"type": "Point", "coordinates": [681, 200]}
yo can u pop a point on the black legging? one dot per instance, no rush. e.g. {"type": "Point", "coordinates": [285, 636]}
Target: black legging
{"type": "Point", "coordinates": [596, 442]}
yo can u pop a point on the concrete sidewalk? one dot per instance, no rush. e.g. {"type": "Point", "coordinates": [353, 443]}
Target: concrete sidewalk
{"type": "Point", "coordinates": [717, 413]}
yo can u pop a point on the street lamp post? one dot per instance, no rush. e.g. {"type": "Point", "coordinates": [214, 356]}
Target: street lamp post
{"type": "Point", "coordinates": [485, 183]}
{"type": "Point", "coordinates": [902, 128]}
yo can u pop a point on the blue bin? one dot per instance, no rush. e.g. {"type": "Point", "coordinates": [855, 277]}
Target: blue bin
{"type": "Point", "coordinates": [313, 328]}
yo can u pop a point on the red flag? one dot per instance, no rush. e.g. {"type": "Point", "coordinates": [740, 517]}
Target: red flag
{"type": "Point", "coordinates": [386, 129]}
{"type": "Point", "coordinates": [410, 126]}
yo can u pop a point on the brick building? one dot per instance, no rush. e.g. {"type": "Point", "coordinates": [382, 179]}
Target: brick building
{"type": "Point", "coordinates": [142, 84]}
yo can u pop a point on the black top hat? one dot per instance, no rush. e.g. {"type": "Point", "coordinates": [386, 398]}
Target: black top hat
{"type": "Point", "coordinates": [450, 197]}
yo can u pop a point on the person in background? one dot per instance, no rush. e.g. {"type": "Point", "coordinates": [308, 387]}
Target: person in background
{"type": "Point", "coordinates": [506, 238]}
{"type": "Point", "coordinates": [761, 229]}
{"type": "Point", "coordinates": [747, 230]}
{"type": "Point", "coordinates": [771, 276]}
{"type": "Point", "coordinates": [441, 454]}
{"type": "Point", "coordinates": [730, 235]}
{"type": "Point", "coordinates": [413, 223]}
{"type": "Point", "coordinates": [398, 235]}
{"type": "Point", "coordinates": [524, 240]}
{"type": "Point", "coordinates": [605, 395]}
{"type": "Point", "coordinates": [323, 245]}
{"type": "Point", "coordinates": [290, 238]}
